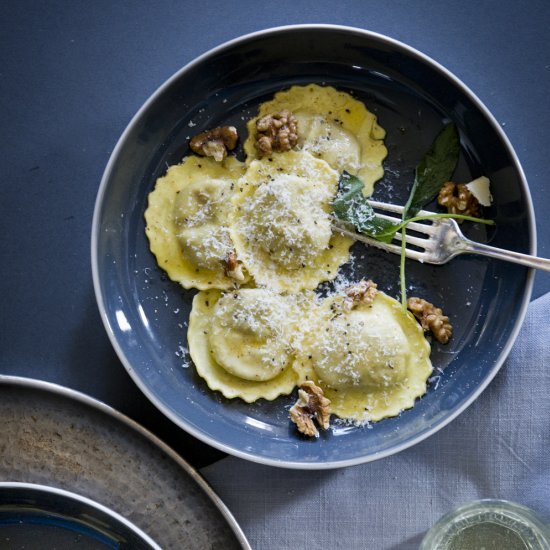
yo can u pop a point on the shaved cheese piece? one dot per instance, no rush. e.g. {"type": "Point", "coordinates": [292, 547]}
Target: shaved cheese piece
{"type": "Point", "coordinates": [480, 189]}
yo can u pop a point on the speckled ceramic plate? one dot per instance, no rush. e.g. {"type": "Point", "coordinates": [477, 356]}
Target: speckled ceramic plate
{"type": "Point", "coordinates": [145, 314]}
{"type": "Point", "coordinates": [57, 437]}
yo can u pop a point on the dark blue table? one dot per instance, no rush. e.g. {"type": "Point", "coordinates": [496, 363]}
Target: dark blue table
{"type": "Point", "coordinates": [73, 74]}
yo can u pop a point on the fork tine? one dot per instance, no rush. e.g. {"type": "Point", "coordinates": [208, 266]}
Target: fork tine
{"type": "Point", "coordinates": [416, 241]}
{"type": "Point", "coordinates": [387, 207]}
{"type": "Point", "coordinates": [426, 228]}
{"type": "Point", "coordinates": [394, 248]}
{"type": "Point", "coordinates": [386, 210]}
{"type": "Point", "coordinates": [395, 209]}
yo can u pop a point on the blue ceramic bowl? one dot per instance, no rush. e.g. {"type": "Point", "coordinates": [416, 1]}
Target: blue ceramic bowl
{"type": "Point", "coordinates": [145, 314]}
{"type": "Point", "coordinates": [36, 517]}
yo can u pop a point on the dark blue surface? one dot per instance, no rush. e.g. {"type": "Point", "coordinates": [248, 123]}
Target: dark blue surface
{"type": "Point", "coordinates": [73, 75]}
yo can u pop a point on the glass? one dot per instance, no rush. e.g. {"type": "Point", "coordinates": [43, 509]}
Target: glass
{"type": "Point", "coordinates": [489, 525]}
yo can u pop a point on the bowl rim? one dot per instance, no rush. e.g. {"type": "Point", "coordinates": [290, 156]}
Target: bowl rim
{"type": "Point", "coordinates": [370, 35]}
{"type": "Point", "coordinates": [75, 497]}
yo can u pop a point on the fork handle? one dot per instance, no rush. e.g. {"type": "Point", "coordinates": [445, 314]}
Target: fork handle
{"type": "Point", "coordinates": [507, 255]}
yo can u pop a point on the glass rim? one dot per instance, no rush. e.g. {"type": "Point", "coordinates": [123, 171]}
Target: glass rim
{"type": "Point", "coordinates": [436, 535]}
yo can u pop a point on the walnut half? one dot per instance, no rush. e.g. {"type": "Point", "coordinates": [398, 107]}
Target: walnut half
{"type": "Point", "coordinates": [458, 199]}
{"type": "Point", "coordinates": [232, 268]}
{"type": "Point", "coordinates": [362, 292]}
{"type": "Point", "coordinates": [431, 319]}
{"type": "Point", "coordinates": [215, 143]}
{"type": "Point", "coordinates": [311, 405]}
{"type": "Point", "coordinates": [276, 132]}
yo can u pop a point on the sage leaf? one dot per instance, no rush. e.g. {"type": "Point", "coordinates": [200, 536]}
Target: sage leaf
{"type": "Point", "coordinates": [434, 170]}
{"type": "Point", "coordinates": [352, 207]}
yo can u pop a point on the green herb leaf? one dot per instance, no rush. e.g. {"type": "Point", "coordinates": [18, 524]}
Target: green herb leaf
{"type": "Point", "coordinates": [434, 170]}
{"type": "Point", "coordinates": [352, 207]}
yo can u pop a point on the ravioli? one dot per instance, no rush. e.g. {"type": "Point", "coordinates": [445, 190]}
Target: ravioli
{"type": "Point", "coordinates": [333, 126]}
{"type": "Point", "coordinates": [372, 361]}
{"type": "Point", "coordinates": [281, 223]}
{"type": "Point", "coordinates": [186, 221]}
{"type": "Point", "coordinates": [242, 342]}
{"type": "Point", "coordinates": [273, 215]}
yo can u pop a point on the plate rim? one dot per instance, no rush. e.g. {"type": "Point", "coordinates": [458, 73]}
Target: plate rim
{"type": "Point", "coordinates": [70, 495]}
{"type": "Point", "coordinates": [317, 465]}
{"type": "Point", "coordinates": [98, 405]}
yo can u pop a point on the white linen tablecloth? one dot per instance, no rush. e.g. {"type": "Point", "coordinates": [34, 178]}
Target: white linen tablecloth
{"type": "Point", "coordinates": [498, 448]}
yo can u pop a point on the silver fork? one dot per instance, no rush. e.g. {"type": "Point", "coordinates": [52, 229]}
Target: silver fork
{"type": "Point", "coordinates": [443, 241]}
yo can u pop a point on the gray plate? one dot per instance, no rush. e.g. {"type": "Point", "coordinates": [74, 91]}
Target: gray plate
{"type": "Point", "coordinates": [58, 437]}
